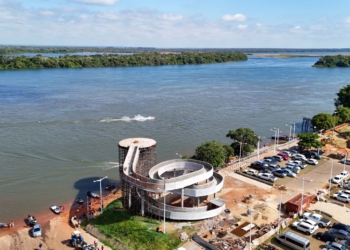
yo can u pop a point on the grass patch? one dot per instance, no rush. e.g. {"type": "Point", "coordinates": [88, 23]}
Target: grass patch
{"type": "Point", "coordinates": [136, 232]}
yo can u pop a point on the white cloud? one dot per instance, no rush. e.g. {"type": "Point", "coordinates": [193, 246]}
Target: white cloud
{"type": "Point", "coordinates": [242, 27]}
{"type": "Point", "coordinates": [347, 20]}
{"type": "Point", "coordinates": [172, 17]}
{"type": "Point", "coordinates": [259, 25]}
{"type": "Point", "coordinates": [235, 18]}
{"type": "Point", "coordinates": [46, 13]}
{"type": "Point", "coordinates": [96, 2]}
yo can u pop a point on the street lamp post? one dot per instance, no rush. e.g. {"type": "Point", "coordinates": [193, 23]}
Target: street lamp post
{"type": "Point", "coordinates": [330, 180]}
{"type": "Point", "coordinates": [294, 129]}
{"type": "Point", "coordinates": [164, 207]}
{"type": "Point", "coordinates": [302, 196]}
{"type": "Point", "coordinates": [346, 156]}
{"type": "Point", "coordinates": [250, 212]}
{"type": "Point", "coordinates": [290, 134]}
{"type": "Point", "coordinates": [335, 112]}
{"type": "Point", "coordinates": [274, 144]}
{"type": "Point", "coordinates": [101, 198]}
{"type": "Point", "coordinates": [179, 155]}
{"type": "Point", "coordinates": [258, 146]}
{"type": "Point", "coordinates": [240, 152]}
{"type": "Point", "coordinates": [279, 211]}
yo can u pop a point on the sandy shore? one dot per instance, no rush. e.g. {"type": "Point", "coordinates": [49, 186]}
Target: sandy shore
{"type": "Point", "coordinates": [56, 229]}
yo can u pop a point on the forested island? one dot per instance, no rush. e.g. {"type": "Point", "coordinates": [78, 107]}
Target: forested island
{"type": "Point", "coordinates": [117, 60]}
{"type": "Point", "coordinates": [333, 61]}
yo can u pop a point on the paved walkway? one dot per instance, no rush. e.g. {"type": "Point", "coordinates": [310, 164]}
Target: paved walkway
{"type": "Point", "coordinates": [339, 213]}
{"type": "Point", "coordinates": [250, 181]}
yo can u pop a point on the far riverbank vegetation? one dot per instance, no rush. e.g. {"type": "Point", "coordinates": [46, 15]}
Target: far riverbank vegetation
{"type": "Point", "coordinates": [333, 61]}
{"type": "Point", "coordinates": [116, 60]}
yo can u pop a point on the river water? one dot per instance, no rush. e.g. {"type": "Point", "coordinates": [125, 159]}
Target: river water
{"type": "Point", "coordinates": [60, 128]}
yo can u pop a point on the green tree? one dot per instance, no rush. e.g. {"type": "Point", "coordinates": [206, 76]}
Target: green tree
{"type": "Point", "coordinates": [308, 141]}
{"type": "Point", "coordinates": [228, 152]}
{"type": "Point", "coordinates": [212, 152]}
{"type": "Point", "coordinates": [343, 114]}
{"type": "Point", "coordinates": [244, 140]}
{"type": "Point", "coordinates": [343, 99]}
{"type": "Point", "coordinates": [323, 121]}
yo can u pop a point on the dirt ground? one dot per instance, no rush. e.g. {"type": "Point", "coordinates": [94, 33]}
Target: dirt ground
{"type": "Point", "coordinates": [56, 231]}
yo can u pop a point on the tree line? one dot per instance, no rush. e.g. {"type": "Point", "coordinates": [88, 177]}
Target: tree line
{"type": "Point", "coordinates": [115, 60]}
{"type": "Point", "coordinates": [333, 61]}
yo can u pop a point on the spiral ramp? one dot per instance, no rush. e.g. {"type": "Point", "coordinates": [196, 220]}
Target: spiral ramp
{"type": "Point", "coordinates": [193, 184]}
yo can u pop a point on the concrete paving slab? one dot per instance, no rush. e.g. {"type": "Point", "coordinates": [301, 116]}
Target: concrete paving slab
{"type": "Point", "coordinates": [250, 181]}
{"type": "Point", "coordinates": [339, 213]}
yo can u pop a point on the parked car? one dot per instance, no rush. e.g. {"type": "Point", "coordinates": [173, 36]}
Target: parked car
{"type": "Point", "coordinates": [333, 246]}
{"type": "Point", "coordinates": [271, 158]}
{"type": "Point", "coordinates": [312, 154]}
{"type": "Point", "coordinates": [299, 157]}
{"type": "Point", "coordinates": [278, 158]}
{"type": "Point", "coordinates": [270, 161]}
{"type": "Point", "coordinates": [298, 163]}
{"type": "Point", "coordinates": [267, 177]}
{"type": "Point", "coordinates": [341, 234]}
{"type": "Point", "coordinates": [304, 227]}
{"type": "Point", "coordinates": [341, 226]}
{"type": "Point", "coordinates": [36, 230]}
{"type": "Point", "coordinates": [290, 173]}
{"type": "Point", "coordinates": [259, 165]}
{"type": "Point", "coordinates": [345, 174]}
{"type": "Point", "coordinates": [294, 168]}
{"type": "Point", "coordinates": [265, 171]}
{"type": "Point", "coordinates": [293, 151]}
{"type": "Point", "coordinates": [326, 236]}
{"type": "Point", "coordinates": [337, 179]}
{"type": "Point", "coordinates": [273, 167]}
{"type": "Point", "coordinates": [284, 156]}
{"type": "Point", "coordinates": [286, 152]}
{"type": "Point", "coordinates": [346, 186]}
{"type": "Point", "coordinates": [311, 161]}
{"type": "Point", "coordinates": [347, 161]}
{"type": "Point", "coordinates": [322, 222]}
{"type": "Point", "coordinates": [279, 173]}
{"type": "Point", "coordinates": [345, 243]}
{"type": "Point", "coordinates": [341, 197]}
{"type": "Point", "coordinates": [311, 222]}
{"type": "Point", "coordinates": [251, 172]}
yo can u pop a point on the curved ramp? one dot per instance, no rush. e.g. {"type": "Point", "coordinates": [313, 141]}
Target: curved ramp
{"type": "Point", "coordinates": [190, 178]}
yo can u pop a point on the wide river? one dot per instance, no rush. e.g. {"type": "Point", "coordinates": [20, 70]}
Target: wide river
{"type": "Point", "coordinates": [60, 128]}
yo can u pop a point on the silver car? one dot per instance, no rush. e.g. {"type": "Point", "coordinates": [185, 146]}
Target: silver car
{"type": "Point", "coordinates": [36, 230]}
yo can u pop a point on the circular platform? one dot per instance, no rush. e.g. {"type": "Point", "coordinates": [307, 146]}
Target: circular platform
{"type": "Point", "coordinates": [142, 142]}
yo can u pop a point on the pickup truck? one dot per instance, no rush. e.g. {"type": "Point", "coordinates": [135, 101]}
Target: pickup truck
{"type": "Point", "coordinates": [322, 222]}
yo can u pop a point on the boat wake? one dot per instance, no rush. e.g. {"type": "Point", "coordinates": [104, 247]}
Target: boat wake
{"type": "Point", "coordinates": [139, 118]}
{"type": "Point", "coordinates": [110, 165]}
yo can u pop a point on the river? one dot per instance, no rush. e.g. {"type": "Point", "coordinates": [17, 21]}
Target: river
{"type": "Point", "coordinates": [60, 128]}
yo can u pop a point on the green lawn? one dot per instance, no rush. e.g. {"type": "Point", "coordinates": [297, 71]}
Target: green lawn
{"type": "Point", "coordinates": [135, 232]}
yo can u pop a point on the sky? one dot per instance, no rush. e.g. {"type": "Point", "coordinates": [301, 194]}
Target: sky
{"type": "Point", "coordinates": [177, 23]}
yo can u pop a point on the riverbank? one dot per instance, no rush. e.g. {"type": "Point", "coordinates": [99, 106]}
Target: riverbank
{"type": "Point", "coordinates": [56, 229]}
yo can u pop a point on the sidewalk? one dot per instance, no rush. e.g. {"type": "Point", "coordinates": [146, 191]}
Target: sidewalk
{"type": "Point", "coordinates": [339, 213]}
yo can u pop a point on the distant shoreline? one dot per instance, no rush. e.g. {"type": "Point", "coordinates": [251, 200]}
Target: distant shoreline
{"type": "Point", "coordinates": [266, 55]}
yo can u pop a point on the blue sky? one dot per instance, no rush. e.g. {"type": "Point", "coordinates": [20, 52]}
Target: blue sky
{"type": "Point", "coordinates": [181, 23]}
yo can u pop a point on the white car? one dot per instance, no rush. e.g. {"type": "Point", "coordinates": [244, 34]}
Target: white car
{"type": "Point", "coordinates": [322, 222]}
{"type": "Point", "coordinates": [304, 227]}
{"type": "Point", "coordinates": [337, 179]}
{"type": "Point", "coordinates": [342, 197]}
{"type": "Point", "coordinates": [347, 186]}
{"type": "Point", "coordinates": [345, 174]}
{"type": "Point", "coordinates": [346, 192]}
{"type": "Point", "coordinates": [286, 152]}
{"type": "Point", "coordinates": [310, 222]}
{"type": "Point", "coordinates": [299, 157]}
{"type": "Point", "coordinates": [251, 172]}
{"type": "Point", "coordinates": [294, 168]}
{"type": "Point", "coordinates": [311, 161]}
{"type": "Point", "coordinates": [298, 163]}
{"type": "Point", "coordinates": [36, 230]}
{"type": "Point", "coordinates": [267, 177]}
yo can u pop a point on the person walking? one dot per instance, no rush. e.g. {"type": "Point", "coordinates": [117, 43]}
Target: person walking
{"type": "Point", "coordinates": [40, 245]}
{"type": "Point", "coordinates": [102, 247]}
{"type": "Point", "coordinates": [95, 243]}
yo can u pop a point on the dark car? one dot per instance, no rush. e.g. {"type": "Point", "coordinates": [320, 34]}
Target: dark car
{"type": "Point", "coordinates": [279, 173]}
{"type": "Point", "coordinates": [259, 165]}
{"type": "Point", "coordinates": [265, 171]}
{"type": "Point", "coordinates": [313, 155]}
{"type": "Point", "coordinates": [326, 236]}
{"type": "Point", "coordinates": [341, 234]}
{"type": "Point", "coordinates": [341, 226]}
{"type": "Point", "coordinates": [278, 158]}
{"type": "Point", "coordinates": [284, 156]}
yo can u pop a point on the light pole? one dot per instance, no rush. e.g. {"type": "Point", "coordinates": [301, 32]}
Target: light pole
{"type": "Point", "coordinates": [302, 196]}
{"type": "Point", "coordinates": [290, 134]}
{"type": "Point", "coordinates": [164, 207]}
{"type": "Point", "coordinates": [179, 155]}
{"type": "Point", "coordinates": [335, 112]}
{"type": "Point", "coordinates": [279, 211]}
{"type": "Point", "coordinates": [100, 180]}
{"type": "Point", "coordinates": [258, 146]}
{"type": "Point", "coordinates": [294, 129]}
{"type": "Point", "coordinates": [330, 180]}
{"type": "Point", "coordinates": [278, 135]}
{"type": "Point", "coordinates": [250, 212]}
{"type": "Point", "coordinates": [240, 151]}
{"type": "Point", "coordinates": [346, 156]}
{"type": "Point", "coordinates": [274, 144]}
